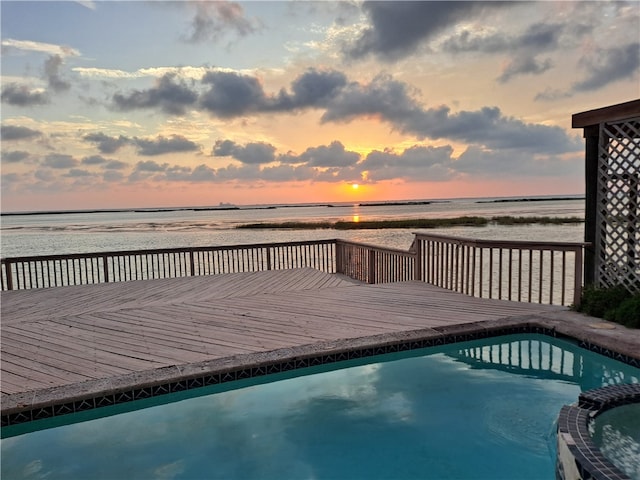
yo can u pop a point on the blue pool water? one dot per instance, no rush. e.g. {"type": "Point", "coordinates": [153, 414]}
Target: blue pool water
{"type": "Point", "coordinates": [474, 410]}
{"type": "Point", "coordinates": [617, 433]}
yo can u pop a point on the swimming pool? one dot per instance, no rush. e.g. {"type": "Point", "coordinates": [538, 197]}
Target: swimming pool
{"type": "Point", "coordinates": [481, 409]}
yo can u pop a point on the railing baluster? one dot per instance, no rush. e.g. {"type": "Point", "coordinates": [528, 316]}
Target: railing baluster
{"type": "Point", "coordinates": [490, 272]}
{"type": "Point", "coordinates": [564, 275]}
{"type": "Point", "coordinates": [551, 279]}
{"type": "Point", "coordinates": [510, 270]}
{"type": "Point", "coordinates": [519, 275]}
{"type": "Point", "coordinates": [540, 275]}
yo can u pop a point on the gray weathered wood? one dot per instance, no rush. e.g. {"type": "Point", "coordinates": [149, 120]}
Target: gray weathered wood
{"type": "Point", "coordinates": [62, 336]}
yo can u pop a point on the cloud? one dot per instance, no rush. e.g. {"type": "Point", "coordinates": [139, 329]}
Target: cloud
{"type": "Point", "coordinates": [58, 160]}
{"type": "Point", "coordinates": [603, 66]}
{"type": "Point", "coordinates": [391, 101]}
{"type": "Point", "coordinates": [213, 19]}
{"type": "Point", "coordinates": [232, 95]}
{"type": "Point", "coordinates": [115, 165]}
{"type": "Point", "coordinates": [552, 95]}
{"type": "Point", "coordinates": [315, 88]}
{"type": "Point", "coordinates": [151, 166]}
{"type": "Point", "coordinates": [171, 96]}
{"type": "Point", "coordinates": [112, 177]}
{"type": "Point", "coordinates": [333, 155]}
{"type": "Point", "coordinates": [22, 96]}
{"type": "Point", "coordinates": [78, 173]}
{"type": "Point", "coordinates": [105, 143]}
{"type": "Point", "coordinates": [416, 163]}
{"type": "Point", "coordinates": [202, 173]}
{"type": "Point", "coordinates": [52, 74]}
{"type": "Point", "coordinates": [524, 65]}
{"type": "Point", "coordinates": [90, 4]}
{"type": "Point", "coordinates": [540, 37]}
{"type": "Point", "coordinates": [12, 132]}
{"type": "Point", "coordinates": [186, 72]}
{"type": "Point", "coordinates": [94, 160]}
{"type": "Point", "coordinates": [537, 38]}
{"type": "Point", "coordinates": [148, 147]}
{"type": "Point", "coordinates": [478, 162]}
{"type": "Point", "coordinates": [15, 156]}
{"type": "Point", "coordinates": [382, 97]}
{"type": "Point", "coordinates": [105, 163]}
{"type": "Point", "coordinates": [162, 145]}
{"type": "Point", "coordinates": [397, 29]}
{"type": "Point", "coordinates": [608, 65]}
{"type": "Point", "coordinates": [41, 47]}
{"type": "Point", "coordinates": [523, 49]}
{"type": "Point", "coordinates": [253, 153]}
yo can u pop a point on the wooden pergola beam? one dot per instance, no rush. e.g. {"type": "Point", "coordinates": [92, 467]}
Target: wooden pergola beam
{"type": "Point", "coordinates": [612, 113]}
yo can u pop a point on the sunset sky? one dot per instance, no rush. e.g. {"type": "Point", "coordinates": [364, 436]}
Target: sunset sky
{"type": "Point", "coordinates": [187, 103]}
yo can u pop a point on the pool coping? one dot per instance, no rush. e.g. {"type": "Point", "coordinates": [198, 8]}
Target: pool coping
{"type": "Point", "coordinates": [58, 401]}
{"type": "Point", "coordinates": [577, 453]}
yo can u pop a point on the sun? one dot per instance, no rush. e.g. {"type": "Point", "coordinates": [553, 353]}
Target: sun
{"type": "Point", "coordinates": [355, 186]}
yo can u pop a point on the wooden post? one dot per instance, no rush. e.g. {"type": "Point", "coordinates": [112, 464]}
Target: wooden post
{"type": "Point", "coordinates": [417, 260]}
{"type": "Point", "coordinates": [577, 278]}
{"type": "Point", "coordinates": [9, 275]}
{"type": "Point", "coordinates": [371, 274]}
{"type": "Point", "coordinates": [105, 267]}
{"type": "Point", "coordinates": [592, 137]}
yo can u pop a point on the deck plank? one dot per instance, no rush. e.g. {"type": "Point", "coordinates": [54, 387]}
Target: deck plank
{"type": "Point", "coordinates": [61, 336]}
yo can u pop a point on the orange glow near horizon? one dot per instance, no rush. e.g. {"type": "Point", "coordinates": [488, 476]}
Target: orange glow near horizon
{"type": "Point", "coordinates": [177, 194]}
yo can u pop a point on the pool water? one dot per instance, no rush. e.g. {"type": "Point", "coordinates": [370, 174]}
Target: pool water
{"type": "Point", "coordinates": [474, 410]}
{"type": "Point", "coordinates": [617, 433]}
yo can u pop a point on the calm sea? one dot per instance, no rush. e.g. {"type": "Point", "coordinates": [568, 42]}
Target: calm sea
{"type": "Point", "coordinates": [61, 233]}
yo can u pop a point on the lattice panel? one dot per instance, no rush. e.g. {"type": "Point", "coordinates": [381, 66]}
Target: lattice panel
{"type": "Point", "coordinates": [618, 216]}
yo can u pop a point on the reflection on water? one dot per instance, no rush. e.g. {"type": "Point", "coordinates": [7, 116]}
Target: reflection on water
{"type": "Point", "coordinates": [538, 358]}
{"type": "Point", "coordinates": [483, 409]}
{"type": "Point", "coordinates": [617, 433]}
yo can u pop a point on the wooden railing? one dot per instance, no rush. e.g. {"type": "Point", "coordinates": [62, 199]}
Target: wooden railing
{"type": "Point", "coordinates": [542, 272]}
{"type": "Point", "coordinates": [21, 273]}
{"type": "Point", "coordinates": [539, 272]}
{"type": "Point", "coordinates": [371, 264]}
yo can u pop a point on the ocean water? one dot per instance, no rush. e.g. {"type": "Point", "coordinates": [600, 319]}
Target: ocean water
{"type": "Point", "coordinates": [83, 232]}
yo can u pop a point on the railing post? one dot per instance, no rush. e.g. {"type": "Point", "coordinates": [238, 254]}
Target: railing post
{"type": "Point", "coordinates": [339, 257]}
{"type": "Point", "coordinates": [577, 279]}
{"type": "Point", "coordinates": [9, 275]}
{"type": "Point", "coordinates": [105, 267]}
{"type": "Point", "coordinates": [417, 259]}
{"type": "Point", "coordinates": [371, 274]}
{"type": "Point", "coordinates": [268, 258]}
{"type": "Point", "coordinates": [192, 264]}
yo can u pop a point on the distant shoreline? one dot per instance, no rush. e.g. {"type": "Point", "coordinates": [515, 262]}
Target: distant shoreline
{"type": "Point", "coordinates": [413, 223]}
{"type": "Point", "coordinates": [227, 207]}
{"type": "Point", "coordinates": [534, 199]}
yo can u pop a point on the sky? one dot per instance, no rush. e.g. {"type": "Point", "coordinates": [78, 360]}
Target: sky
{"type": "Point", "coordinates": [109, 104]}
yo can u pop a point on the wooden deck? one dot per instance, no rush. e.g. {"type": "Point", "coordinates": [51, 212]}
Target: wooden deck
{"type": "Point", "coordinates": [64, 336]}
